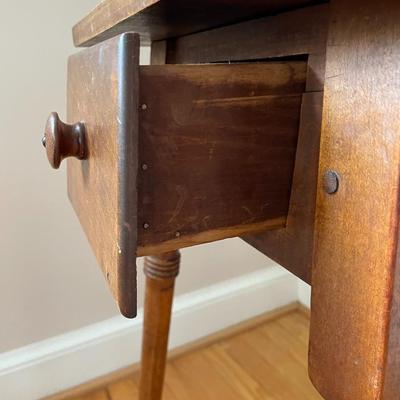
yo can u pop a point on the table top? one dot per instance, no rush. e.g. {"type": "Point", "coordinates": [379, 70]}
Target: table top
{"type": "Point", "coordinates": [161, 19]}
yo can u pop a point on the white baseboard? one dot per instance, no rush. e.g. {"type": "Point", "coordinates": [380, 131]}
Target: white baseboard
{"type": "Point", "coordinates": [65, 361]}
{"type": "Point", "coordinates": [304, 293]}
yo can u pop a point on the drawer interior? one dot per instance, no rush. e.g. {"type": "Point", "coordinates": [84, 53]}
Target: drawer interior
{"type": "Point", "coordinates": [218, 143]}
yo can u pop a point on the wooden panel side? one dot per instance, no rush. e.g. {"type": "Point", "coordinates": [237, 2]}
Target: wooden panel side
{"type": "Point", "coordinates": [353, 297]}
{"type": "Point", "coordinates": [102, 92]}
{"type": "Point", "coordinates": [292, 247]}
{"type": "Point", "coordinates": [300, 32]}
{"type": "Point", "coordinates": [158, 53]}
{"type": "Point", "coordinates": [289, 34]}
{"type": "Point", "coordinates": [217, 150]}
{"type": "Point", "coordinates": [162, 19]}
{"type": "Point", "coordinates": [392, 365]}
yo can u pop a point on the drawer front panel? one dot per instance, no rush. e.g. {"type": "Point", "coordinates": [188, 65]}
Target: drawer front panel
{"type": "Point", "coordinates": [102, 93]}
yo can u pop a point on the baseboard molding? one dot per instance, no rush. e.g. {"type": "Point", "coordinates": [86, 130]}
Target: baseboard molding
{"type": "Point", "coordinates": [66, 361]}
{"type": "Point", "coordinates": [304, 294]}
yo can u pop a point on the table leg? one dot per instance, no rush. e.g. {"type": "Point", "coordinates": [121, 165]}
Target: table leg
{"type": "Point", "coordinates": [160, 272]}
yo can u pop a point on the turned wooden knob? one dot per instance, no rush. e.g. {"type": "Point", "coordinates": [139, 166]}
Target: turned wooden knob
{"type": "Point", "coordinates": [62, 140]}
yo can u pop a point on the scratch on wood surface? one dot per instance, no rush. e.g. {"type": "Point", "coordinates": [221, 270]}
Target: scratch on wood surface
{"type": "Point", "coordinates": [181, 200]}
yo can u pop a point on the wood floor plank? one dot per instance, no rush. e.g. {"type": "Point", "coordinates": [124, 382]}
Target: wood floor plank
{"type": "Point", "coordinates": [280, 351]}
{"type": "Point", "coordinates": [233, 374]}
{"type": "Point", "coordinates": [297, 324]}
{"type": "Point", "coordinates": [169, 391]}
{"type": "Point", "coordinates": [204, 378]}
{"type": "Point", "coordinates": [175, 384]}
{"type": "Point", "coordinates": [265, 362]}
{"type": "Point", "coordinates": [286, 342]}
{"type": "Point", "coordinates": [96, 395]}
{"type": "Point", "coordinates": [123, 389]}
{"type": "Point", "coordinates": [263, 370]}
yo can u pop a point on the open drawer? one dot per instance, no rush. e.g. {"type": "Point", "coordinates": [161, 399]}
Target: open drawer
{"type": "Point", "coordinates": [170, 156]}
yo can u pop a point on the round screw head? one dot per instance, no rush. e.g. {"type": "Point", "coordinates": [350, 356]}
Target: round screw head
{"type": "Point", "coordinates": [146, 225]}
{"type": "Point", "coordinates": [144, 106]}
{"type": "Point", "coordinates": [145, 167]}
{"type": "Point", "coordinates": [331, 182]}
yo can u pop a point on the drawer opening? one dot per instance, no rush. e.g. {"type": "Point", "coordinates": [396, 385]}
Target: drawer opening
{"type": "Point", "coordinates": [296, 57]}
{"type": "Point", "coordinates": [219, 143]}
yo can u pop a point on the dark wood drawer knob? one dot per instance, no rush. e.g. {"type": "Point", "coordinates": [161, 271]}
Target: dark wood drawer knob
{"type": "Point", "coordinates": [62, 140]}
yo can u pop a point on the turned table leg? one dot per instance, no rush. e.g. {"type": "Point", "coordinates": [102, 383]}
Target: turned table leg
{"type": "Point", "coordinates": [160, 272]}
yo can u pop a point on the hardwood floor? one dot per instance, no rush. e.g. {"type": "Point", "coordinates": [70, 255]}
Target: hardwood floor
{"type": "Point", "coordinates": [266, 362]}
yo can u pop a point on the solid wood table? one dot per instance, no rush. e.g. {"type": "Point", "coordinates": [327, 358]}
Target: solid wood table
{"type": "Point", "coordinates": [221, 136]}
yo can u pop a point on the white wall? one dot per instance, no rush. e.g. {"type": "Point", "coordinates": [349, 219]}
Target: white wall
{"type": "Point", "coordinates": [55, 364]}
{"type": "Point", "coordinates": [50, 282]}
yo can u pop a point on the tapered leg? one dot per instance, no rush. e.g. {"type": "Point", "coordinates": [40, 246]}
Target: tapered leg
{"type": "Point", "coordinates": [160, 272]}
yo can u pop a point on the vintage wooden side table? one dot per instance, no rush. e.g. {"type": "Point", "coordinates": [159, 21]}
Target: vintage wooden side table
{"type": "Point", "coordinates": [274, 120]}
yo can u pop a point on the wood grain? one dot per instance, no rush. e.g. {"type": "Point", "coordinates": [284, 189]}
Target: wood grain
{"type": "Point", "coordinates": [295, 33]}
{"type": "Point", "coordinates": [160, 272]}
{"type": "Point", "coordinates": [161, 19]}
{"type": "Point", "coordinates": [158, 52]}
{"type": "Point", "coordinates": [102, 188]}
{"type": "Point", "coordinates": [97, 395]}
{"type": "Point", "coordinates": [218, 143]}
{"type": "Point", "coordinates": [354, 344]}
{"type": "Point", "coordinates": [392, 371]}
{"type": "Point", "coordinates": [293, 246]}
